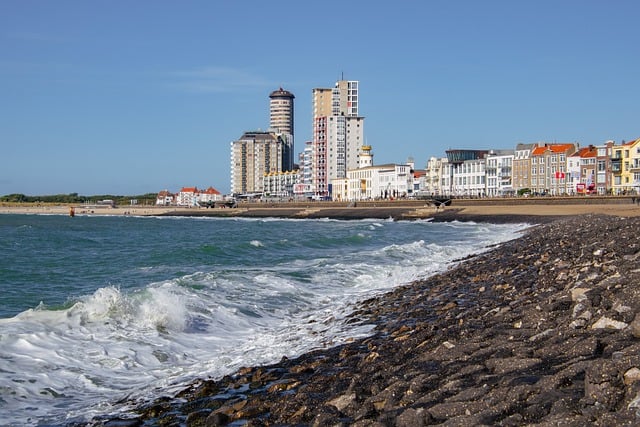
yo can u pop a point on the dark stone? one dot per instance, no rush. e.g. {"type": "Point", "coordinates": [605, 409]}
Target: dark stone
{"type": "Point", "coordinates": [604, 385]}
{"type": "Point", "coordinates": [328, 415]}
{"type": "Point", "coordinates": [124, 422]}
{"type": "Point", "coordinates": [414, 418]}
{"type": "Point", "coordinates": [198, 418]}
{"type": "Point", "coordinates": [488, 342]}
{"type": "Point", "coordinates": [217, 419]}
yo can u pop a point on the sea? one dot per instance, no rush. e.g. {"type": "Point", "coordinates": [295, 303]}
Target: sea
{"type": "Point", "coordinates": [100, 312]}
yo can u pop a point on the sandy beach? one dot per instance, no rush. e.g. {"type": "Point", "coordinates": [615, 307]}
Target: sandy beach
{"type": "Point", "coordinates": [460, 211]}
{"type": "Point", "coordinates": [79, 210]}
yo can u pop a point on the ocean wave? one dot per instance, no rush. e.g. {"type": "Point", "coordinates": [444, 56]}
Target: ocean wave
{"type": "Point", "coordinates": [173, 300]}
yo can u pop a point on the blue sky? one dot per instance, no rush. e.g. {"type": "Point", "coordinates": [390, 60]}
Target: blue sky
{"type": "Point", "coordinates": [129, 97]}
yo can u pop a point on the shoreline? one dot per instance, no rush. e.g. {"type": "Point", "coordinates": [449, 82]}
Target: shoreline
{"type": "Point", "coordinates": [540, 330]}
{"type": "Point", "coordinates": [496, 211]}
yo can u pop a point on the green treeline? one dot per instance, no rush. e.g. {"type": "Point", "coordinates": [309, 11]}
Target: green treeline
{"type": "Point", "coordinates": [75, 198]}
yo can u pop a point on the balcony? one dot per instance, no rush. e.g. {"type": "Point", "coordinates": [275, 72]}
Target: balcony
{"type": "Point", "coordinates": [616, 165]}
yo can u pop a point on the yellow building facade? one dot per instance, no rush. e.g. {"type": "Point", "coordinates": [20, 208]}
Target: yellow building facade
{"type": "Point", "coordinates": [625, 168]}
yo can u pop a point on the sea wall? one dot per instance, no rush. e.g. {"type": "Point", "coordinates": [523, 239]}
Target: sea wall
{"type": "Point", "coordinates": [541, 330]}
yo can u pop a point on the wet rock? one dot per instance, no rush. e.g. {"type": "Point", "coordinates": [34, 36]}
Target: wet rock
{"type": "Point", "coordinates": [343, 401]}
{"type": "Point", "coordinates": [217, 419]}
{"type": "Point", "coordinates": [542, 330]}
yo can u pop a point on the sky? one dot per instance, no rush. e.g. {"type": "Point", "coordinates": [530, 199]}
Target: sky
{"type": "Point", "coordinates": [132, 97]}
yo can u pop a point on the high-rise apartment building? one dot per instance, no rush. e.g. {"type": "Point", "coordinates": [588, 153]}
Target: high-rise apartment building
{"type": "Point", "coordinates": [305, 161]}
{"type": "Point", "coordinates": [281, 123]}
{"type": "Point", "coordinates": [338, 133]}
{"type": "Point", "coordinates": [258, 154]}
{"type": "Point", "coordinates": [253, 156]}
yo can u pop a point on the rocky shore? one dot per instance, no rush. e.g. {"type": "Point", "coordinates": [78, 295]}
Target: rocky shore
{"type": "Point", "coordinates": [541, 330]}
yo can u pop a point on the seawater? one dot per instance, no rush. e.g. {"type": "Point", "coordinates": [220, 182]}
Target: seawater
{"type": "Point", "coordinates": [97, 310]}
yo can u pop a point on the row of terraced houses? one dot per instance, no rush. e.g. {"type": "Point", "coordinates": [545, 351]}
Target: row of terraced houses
{"type": "Point", "coordinates": [542, 168]}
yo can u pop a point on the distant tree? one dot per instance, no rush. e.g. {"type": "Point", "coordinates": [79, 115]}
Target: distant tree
{"type": "Point", "coordinates": [14, 198]}
{"type": "Point", "coordinates": [75, 198]}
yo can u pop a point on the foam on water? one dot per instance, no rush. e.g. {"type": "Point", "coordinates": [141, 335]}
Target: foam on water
{"type": "Point", "coordinates": [77, 362]}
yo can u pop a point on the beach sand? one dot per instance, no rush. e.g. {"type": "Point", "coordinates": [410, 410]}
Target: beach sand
{"type": "Point", "coordinates": [486, 212]}
{"type": "Point", "coordinates": [32, 209]}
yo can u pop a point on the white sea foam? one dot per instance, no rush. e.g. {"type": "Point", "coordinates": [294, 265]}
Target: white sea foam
{"type": "Point", "coordinates": [74, 363]}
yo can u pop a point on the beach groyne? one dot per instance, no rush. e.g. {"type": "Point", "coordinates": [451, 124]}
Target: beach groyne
{"type": "Point", "coordinates": [541, 330]}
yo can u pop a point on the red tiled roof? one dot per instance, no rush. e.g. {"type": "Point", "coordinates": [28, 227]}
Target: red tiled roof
{"type": "Point", "coordinates": [211, 190]}
{"type": "Point", "coordinates": [189, 190]}
{"type": "Point", "coordinates": [633, 141]}
{"type": "Point", "coordinates": [554, 148]}
{"type": "Point", "coordinates": [587, 152]}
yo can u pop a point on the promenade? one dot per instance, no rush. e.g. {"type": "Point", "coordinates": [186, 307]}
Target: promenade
{"type": "Point", "coordinates": [487, 210]}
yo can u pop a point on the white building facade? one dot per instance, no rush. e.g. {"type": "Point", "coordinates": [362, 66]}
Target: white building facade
{"type": "Point", "coordinates": [499, 170]}
{"type": "Point", "coordinates": [436, 177]}
{"type": "Point", "coordinates": [209, 196]}
{"type": "Point", "coordinates": [470, 173]}
{"type": "Point", "coordinates": [572, 175]}
{"type": "Point", "coordinates": [369, 182]}
{"type": "Point", "coordinates": [469, 178]}
{"type": "Point", "coordinates": [188, 196]}
{"type": "Point", "coordinates": [281, 184]}
{"type": "Point", "coordinates": [391, 181]}
{"type": "Point", "coordinates": [165, 198]}
{"type": "Point", "coordinates": [304, 187]}
{"type": "Point", "coordinates": [338, 134]}
{"type": "Point", "coordinates": [192, 196]}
